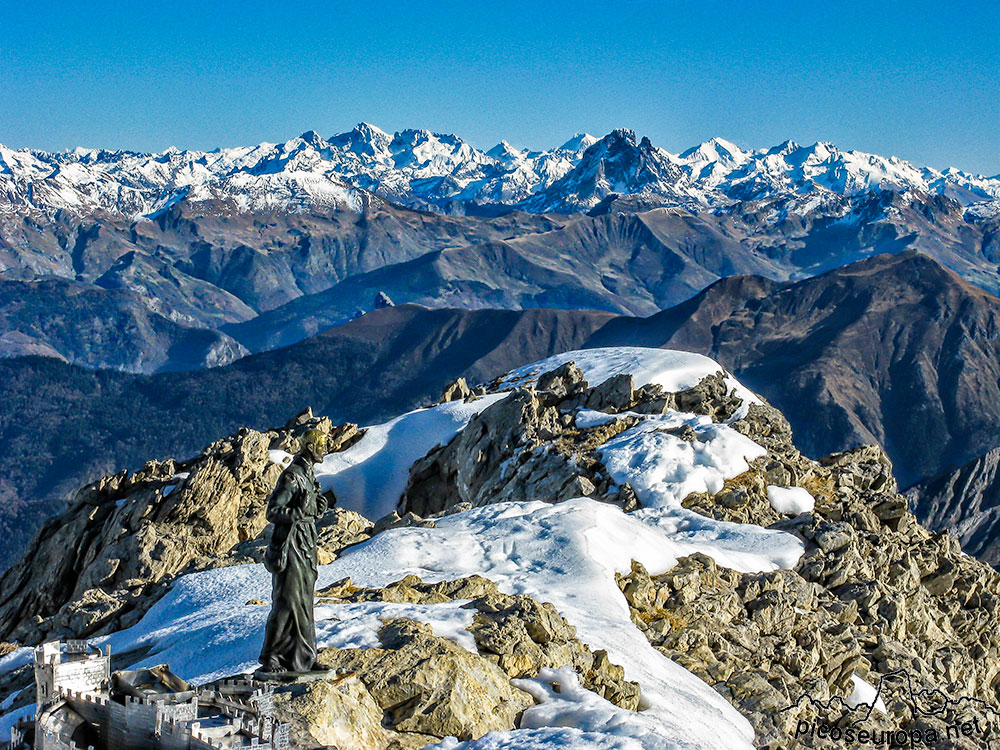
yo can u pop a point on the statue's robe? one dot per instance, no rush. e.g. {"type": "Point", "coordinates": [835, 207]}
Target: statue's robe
{"type": "Point", "coordinates": [294, 506]}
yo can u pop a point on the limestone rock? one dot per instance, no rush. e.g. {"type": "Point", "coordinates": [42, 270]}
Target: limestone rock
{"type": "Point", "coordinates": [563, 382]}
{"type": "Point", "coordinates": [457, 391]}
{"type": "Point", "coordinates": [338, 437]}
{"type": "Point", "coordinates": [527, 447]}
{"type": "Point", "coordinates": [339, 713]}
{"type": "Point", "coordinates": [711, 396]}
{"type": "Point", "coordinates": [431, 685]}
{"type": "Point", "coordinates": [613, 395]}
{"type": "Point", "coordinates": [395, 521]}
{"type": "Point", "coordinates": [517, 633]}
{"type": "Point", "coordinates": [99, 565]}
{"type": "Point", "coordinates": [468, 469]}
{"type": "Point", "coordinates": [873, 594]}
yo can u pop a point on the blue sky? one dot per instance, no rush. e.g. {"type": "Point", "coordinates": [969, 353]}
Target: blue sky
{"type": "Point", "coordinates": [915, 79]}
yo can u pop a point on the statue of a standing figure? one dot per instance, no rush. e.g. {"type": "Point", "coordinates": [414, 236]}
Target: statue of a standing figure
{"type": "Point", "coordinates": [294, 506]}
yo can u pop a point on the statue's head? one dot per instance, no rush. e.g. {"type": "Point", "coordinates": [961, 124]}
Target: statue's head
{"type": "Point", "coordinates": [314, 445]}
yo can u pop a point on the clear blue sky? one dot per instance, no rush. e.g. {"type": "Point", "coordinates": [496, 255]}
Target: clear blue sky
{"type": "Point", "coordinates": [916, 79]}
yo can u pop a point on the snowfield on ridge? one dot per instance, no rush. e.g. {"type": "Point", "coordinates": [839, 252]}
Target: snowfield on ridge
{"type": "Point", "coordinates": [565, 553]}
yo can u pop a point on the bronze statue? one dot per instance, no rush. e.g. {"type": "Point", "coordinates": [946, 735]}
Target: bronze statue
{"type": "Point", "coordinates": [294, 506]}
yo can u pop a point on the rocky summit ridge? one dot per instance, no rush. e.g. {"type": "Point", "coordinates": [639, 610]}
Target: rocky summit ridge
{"type": "Point", "coordinates": [612, 548]}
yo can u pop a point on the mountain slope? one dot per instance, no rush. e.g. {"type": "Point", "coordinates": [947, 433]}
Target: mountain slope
{"type": "Point", "coordinates": [627, 263]}
{"type": "Point", "coordinates": [103, 329]}
{"type": "Point", "coordinates": [242, 240]}
{"type": "Point", "coordinates": [61, 425]}
{"type": "Point", "coordinates": [874, 352]}
{"type": "Point", "coordinates": [967, 500]}
{"type": "Point", "coordinates": [639, 263]}
{"type": "Point", "coordinates": [211, 266]}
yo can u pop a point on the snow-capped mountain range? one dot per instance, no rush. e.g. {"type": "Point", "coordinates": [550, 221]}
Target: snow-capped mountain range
{"type": "Point", "coordinates": [443, 173]}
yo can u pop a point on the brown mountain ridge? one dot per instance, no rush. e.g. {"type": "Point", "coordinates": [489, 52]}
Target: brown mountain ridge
{"type": "Point", "coordinates": [894, 349]}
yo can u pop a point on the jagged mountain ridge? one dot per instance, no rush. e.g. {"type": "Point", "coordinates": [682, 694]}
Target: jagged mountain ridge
{"type": "Point", "coordinates": [640, 262]}
{"type": "Point", "coordinates": [232, 240]}
{"type": "Point", "coordinates": [816, 347]}
{"type": "Point", "coordinates": [203, 269]}
{"type": "Point", "coordinates": [442, 172]}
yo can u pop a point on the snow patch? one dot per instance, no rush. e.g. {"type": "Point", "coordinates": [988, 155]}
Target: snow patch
{"type": "Point", "coordinates": [790, 500]}
{"type": "Point", "coordinates": [8, 720]}
{"type": "Point", "coordinates": [588, 418]}
{"type": "Point", "coordinates": [864, 693]}
{"type": "Point", "coordinates": [664, 468]}
{"type": "Point", "coordinates": [210, 624]}
{"type": "Point", "coordinates": [206, 628]}
{"type": "Point", "coordinates": [370, 476]}
{"type": "Point", "coordinates": [356, 625]}
{"type": "Point", "coordinates": [672, 370]}
{"type": "Point", "coordinates": [541, 739]}
{"type": "Point", "coordinates": [280, 457]}
{"type": "Point", "coordinates": [176, 480]}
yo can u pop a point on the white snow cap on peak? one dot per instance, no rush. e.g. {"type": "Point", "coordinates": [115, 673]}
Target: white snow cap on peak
{"type": "Point", "coordinates": [407, 168]}
{"type": "Point", "coordinates": [784, 148]}
{"type": "Point", "coordinates": [715, 150]}
{"type": "Point", "coordinates": [372, 131]}
{"type": "Point", "coordinates": [579, 142]}
{"type": "Point", "coordinates": [312, 138]}
{"type": "Point", "coordinates": [504, 148]}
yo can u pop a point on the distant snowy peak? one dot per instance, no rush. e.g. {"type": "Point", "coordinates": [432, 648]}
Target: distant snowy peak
{"type": "Point", "coordinates": [579, 142]}
{"type": "Point", "coordinates": [615, 165]}
{"type": "Point", "coordinates": [441, 172]}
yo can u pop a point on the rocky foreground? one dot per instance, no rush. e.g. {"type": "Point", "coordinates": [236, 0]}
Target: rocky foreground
{"type": "Point", "coordinates": [609, 549]}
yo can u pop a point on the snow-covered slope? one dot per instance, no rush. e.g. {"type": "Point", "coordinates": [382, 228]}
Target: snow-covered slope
{"type": "Point", "coordinates": [566, 553]}
{"type": "Point", "coordinates": [658, 569]}
{"type": "Point", "coordinates": [443, 172]}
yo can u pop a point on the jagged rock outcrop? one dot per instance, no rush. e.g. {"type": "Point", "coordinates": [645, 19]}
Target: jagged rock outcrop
{"type": "Point", "coordinates": [457, 391]}
{"type": "Point", "coordinates": [517, 633]}
{"type": "Point", "coordinates": [510, 434]}
{"type": "Point", "coordinates": [99, 565]}
{"type": "Point", "coordinates": [416, 687]}
{"type": "Point", "coordinates": [789, 342]}
{"type": "Point", "coordinates": [430, 685]}
{"type": "Point", "coordinates": [875, 594]}
{"type": "Point", "coordinates": [528, 446]}
{"type": "Point", "coordinates": [967, 500]}
{"type": "Point", "coordinates": [339, 713]}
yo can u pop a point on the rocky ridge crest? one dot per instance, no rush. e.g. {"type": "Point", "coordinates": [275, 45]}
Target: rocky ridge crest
{"type": "Point", "coordinates": [875, 595]}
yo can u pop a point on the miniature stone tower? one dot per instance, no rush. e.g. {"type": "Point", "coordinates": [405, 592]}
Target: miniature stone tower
{"type": "Point", "coordinates": [70, 665]}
